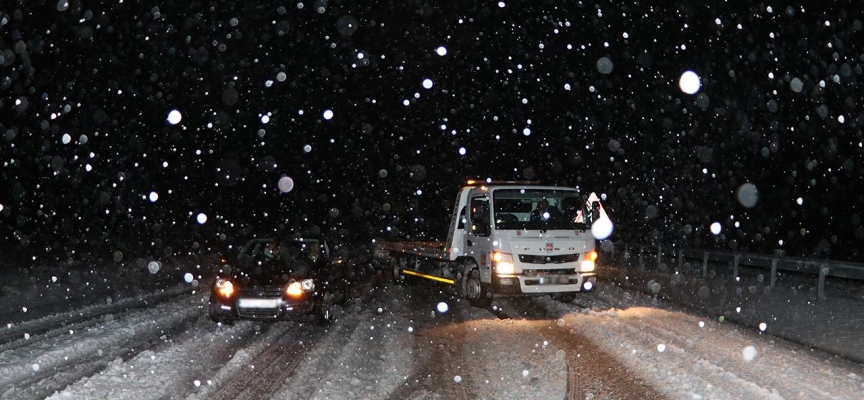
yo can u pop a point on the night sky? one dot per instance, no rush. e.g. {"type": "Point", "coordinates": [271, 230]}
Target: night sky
{"type": "Point", "coordinates": [563, 92]}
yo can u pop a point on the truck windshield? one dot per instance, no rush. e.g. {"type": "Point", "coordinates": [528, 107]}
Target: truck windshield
{"type": "Point", "coordinates": [536, 209]}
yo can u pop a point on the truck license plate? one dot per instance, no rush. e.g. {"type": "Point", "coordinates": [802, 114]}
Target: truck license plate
{"type": "Point", "coordinates": [554, 280]}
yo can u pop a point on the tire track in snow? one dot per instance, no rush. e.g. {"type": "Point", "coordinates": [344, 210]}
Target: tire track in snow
{"type": "Point", "coordinates": [361, 356]}
{"type": "Point", "coordinates": [590, 369]}
{"type": "Point", "coordinates": [649, 351]}
{"type": "Point", "coordinates": [493, 358]}
{"type": "Point", "coordinates": [437, 339]}
{"type": "Point", "coordinates": [672, 352]}
{"type": "Point", "coordinates": [372, 360]}
{"type": "Point", "coordinates": [264, 374]}
{"type": "Point", "coordinates": [312, 374]}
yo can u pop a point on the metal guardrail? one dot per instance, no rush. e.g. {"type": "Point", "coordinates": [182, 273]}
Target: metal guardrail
{"type": "Point", "coordinates": [821, 268]}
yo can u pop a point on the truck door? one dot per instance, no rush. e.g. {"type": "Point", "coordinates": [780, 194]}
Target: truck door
{"type": "Point", "coordinates": [478, 230]}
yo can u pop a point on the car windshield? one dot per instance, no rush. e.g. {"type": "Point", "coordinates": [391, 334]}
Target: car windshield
{"type": "Point", "coordinates": [269, 256]}
{"type": "Point", "coordinates": [537, 209]}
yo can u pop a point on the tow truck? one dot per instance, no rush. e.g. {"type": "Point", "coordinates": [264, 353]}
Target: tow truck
{"type": "Point", "coordinates": [507, 239]}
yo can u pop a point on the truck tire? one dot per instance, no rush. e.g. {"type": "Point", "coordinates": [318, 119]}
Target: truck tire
{"type": "Point", "coordinates": [474, 290]}
{"type": "Point", "coordinates": [398, 277]}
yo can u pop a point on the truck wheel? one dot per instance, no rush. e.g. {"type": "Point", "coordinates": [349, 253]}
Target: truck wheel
{"type": "Point", "coordinates": [474, 290]}
{"type": "Point", "coordinates": [398, 276]}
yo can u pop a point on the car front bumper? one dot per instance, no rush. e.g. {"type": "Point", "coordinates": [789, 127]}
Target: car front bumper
{"type": "Point", "coordinates": [255, 308]}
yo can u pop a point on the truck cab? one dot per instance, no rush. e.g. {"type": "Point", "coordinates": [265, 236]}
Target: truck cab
{"type": "Point", "coordinates": [523, 239]}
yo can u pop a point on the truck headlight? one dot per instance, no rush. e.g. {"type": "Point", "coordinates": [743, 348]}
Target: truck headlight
{"type": "Point", "coordinates": [224, 287]}
{"type": "Point", "coordinates": [503, 263]}
{"type": "Point", "coordinates": [588, 262]}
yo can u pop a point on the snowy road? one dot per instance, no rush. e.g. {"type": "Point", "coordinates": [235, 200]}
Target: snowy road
{"type": "Point", "coordinates": [393, 343]}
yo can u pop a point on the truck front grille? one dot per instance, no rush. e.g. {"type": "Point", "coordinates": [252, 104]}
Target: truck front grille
{"type": "Point", "coordinates": [542, 272]}
{"type": "Point", "coordinates": [541, 259]}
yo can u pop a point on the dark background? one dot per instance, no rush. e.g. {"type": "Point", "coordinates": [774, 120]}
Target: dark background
{"type": "Point", "coordinates": [114, 71]}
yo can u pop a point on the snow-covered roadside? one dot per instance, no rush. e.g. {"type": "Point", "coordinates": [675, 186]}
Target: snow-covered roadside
{"type": "Point", "coordinates": [789, 310]}
{"type": "Point", "coordinates": [196, 362]}
{"type": "Point", "coordinates": [31, 292]}
{"type": "Point", "coordinates": [684, 356]}
{"type": "Point", "coordinates": [34, 368]}
{"type": "Point", "coordinates": [27, 330]}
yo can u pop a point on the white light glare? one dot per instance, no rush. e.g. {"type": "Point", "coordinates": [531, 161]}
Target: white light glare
{"type": "Point", "coordinates": [174, 117]}
{"type": "Point", "coordinates": [715, 228]}
{"type": "Point", "coordinates": [689, 82]}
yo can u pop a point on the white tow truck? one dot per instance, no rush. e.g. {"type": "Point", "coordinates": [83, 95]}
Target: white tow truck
{"type": "Point", "coordinates": [507, 239]}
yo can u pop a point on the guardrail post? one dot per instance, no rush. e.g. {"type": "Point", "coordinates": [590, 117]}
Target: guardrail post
{"type": "Point", "coordinates": [735, 266]}
{"type": "Point", "coordinates": [773, 272]}
{"type": "Point", "coordinates": [680, 258]}
{"type": "Point", "coordinates": [659, 256]}
{"type": "Point", "coordinates": [704, 264]}
{"type": "Point", "coordinates": [823, 271]}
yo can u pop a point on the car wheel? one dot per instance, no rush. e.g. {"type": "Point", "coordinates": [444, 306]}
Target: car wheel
{"type": "Point", "coordinates": [223, 321]}
{"type": "Point", "coordinates": [324, 313]}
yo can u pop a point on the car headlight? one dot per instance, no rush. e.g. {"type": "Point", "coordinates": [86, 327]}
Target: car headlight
{"type": "Point", "coordinates": [295, 289]}
{"type": "Point", "coordinates": [224, 287]}
{"type": "Point", "coordinates": [503, 263]}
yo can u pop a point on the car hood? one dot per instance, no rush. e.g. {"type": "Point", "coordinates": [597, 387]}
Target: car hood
{"type": "Point", "coordinates": [270, 274]}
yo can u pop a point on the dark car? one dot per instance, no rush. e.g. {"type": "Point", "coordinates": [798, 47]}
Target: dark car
{"type": "Point", "coordinates": [278, 280]}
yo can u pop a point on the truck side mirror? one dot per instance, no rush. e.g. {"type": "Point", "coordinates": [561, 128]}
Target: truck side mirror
{"type": "Point", "coordinates": [595, 211]}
